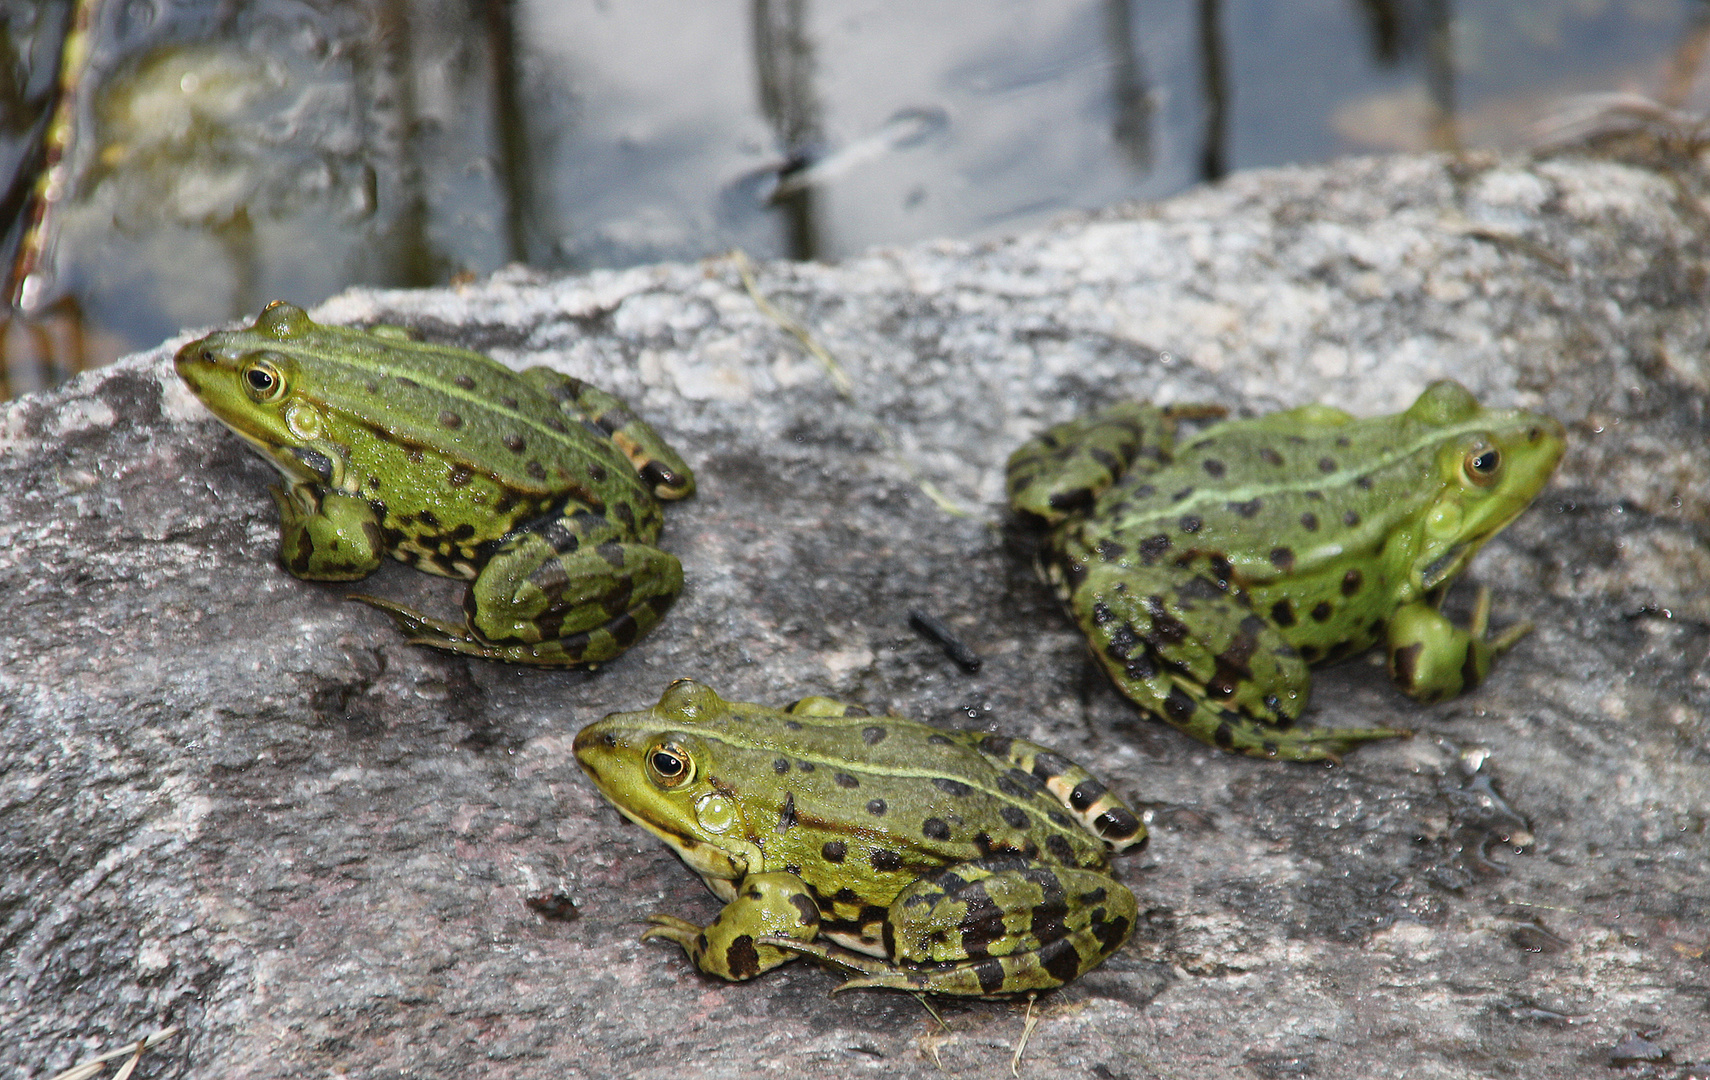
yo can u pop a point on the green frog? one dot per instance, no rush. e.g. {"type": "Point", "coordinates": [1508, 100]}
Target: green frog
{"type": "Point", "coordinates": [1211, 573]}
{"type": "Point", "coordinates": [540, 490]}
{"type": "Point", "coordinates": [949, 862]}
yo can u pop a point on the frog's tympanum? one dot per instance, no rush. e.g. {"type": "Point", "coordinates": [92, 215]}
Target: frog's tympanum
{"type": "Point", "coordinates": [1210, 573]}
{"type": "Point", "coordinates": [952, 862]}
{"type": "Point", "coordinates": [539, 489]}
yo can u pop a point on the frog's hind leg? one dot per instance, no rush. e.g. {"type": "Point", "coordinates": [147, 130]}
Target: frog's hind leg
{"type": "Point", "coordinates": [993, 927]}
{"type": "Point", "coordinates": [1193, 652]}
{"type": "Point", "coordinates": [659, 465]}
{"type": "Point", "coordinates": [555, 596]}
{"type": "Point", "coordinates": [1065, 468]}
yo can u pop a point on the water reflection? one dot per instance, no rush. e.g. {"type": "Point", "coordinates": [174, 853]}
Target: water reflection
{"type": "Point", "coordinates": [1214, 84]}
{"type": "Point", "coordinates": [783, 74]}
{"type": "Point", "coordinates": [527, 222]}
{"type": "Point", "coordinates": [232, 153]}
{"type": "Point", "coordinates": [1130, 96]}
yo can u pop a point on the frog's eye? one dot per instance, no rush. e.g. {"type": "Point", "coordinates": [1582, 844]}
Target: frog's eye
{"type": "Point", "coordinates": [1482, 464]}
{"type": "Point", "coordinates": [262, 380]}
{"type": "Point", "coordinates": [669, 765]}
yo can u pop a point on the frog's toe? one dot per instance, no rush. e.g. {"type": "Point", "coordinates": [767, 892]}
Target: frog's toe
{"type": "Point", "coordinates": [671, 928]}
{"type": "Point", "coordinates": [419, 628]}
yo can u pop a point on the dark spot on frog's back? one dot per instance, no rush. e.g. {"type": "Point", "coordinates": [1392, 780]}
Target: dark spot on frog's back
{"type": "Point", "coordinates": [1282, 558]}
{"type": "Point", "coordinates": [996, 745]}
{"type": "Point", "coordinates": [1110, 551]}
{"type": "Point", "coordinates": [835, 851]}
{"type": "Point", "coordinates": [514, 443]}
{"type": "Point", "coordinates": [1269, 456]}
{"type": "Point", "coordinates": [951, 787]}
{"type": "Point", "coordinates": [989, 972]}
{"type": "Point", "coordinates": [1322, 611]}
{"type": "Point", "coordinates": [1282, 613]}
{"type": "Point", "coordinates": [742, 958]}
{"type": "Point", "coordinates": [1350, 518]}
{"type": "Point", "coordinates": [1060, 849]}
{"type": "Point", "coordinates": [935, 829]}
{"type": "Point", "coordinates": [876, 807]}
{"type": "Point", "coordinates": [1118, 824]}
{"type": "Point", "coordinates": [873, 734]}
{"type": "Point", "coordinates": [844, 780]}
{"type": "Point", "coordinates": [1047, 765]}
{"type": "Point", "coordinates": [1191, 523]}
{"type": "Point", "coordinates": [1326, 465]}
{"type": "Point", "coordinates": [1086, 793]}
{"type": "Point", "coordinates": [1247, 509]}
{"type": "Point", "coordinates": [1153, 547]}
{"type": "Point", "coordinates": [1213, 467]}
{"type": "Point", "coordinates": [1013, 816]}
{"type": "Point", "coordinates": [1178, 706]}
{"type": "Point", "coordinates": [1351, 582]}
{"type": "Point", "coordinates": [1405, 661]}
{"type": "Point", "coordinates": [1106, 460]}
{"type": "Point", "coordinates": [886, 862]}
{"type": "Point", "coordinates": [1073, 499]}
{"type": "Point", "coordinates": [806, 910]}
{"type": "Point", "coordinates": [465, 382]}
{"type": "Point", "coordinates": [450, 420]}
{"type": "Point", "coordinates": [1309, 521]}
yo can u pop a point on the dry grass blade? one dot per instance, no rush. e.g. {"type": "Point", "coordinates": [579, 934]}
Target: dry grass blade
{"type": "Point", "coordinates": [83, 1070]}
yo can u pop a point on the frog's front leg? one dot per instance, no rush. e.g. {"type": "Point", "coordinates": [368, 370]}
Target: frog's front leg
{"type": "Point", "coordinates": [1431, 659]}
{"type": "Point", "coordinates": [659, 465]}
{"type": "Point", "coordinates": [1065, 468]}
{"type": "Point", "coordinates": [1197, 655]}
{"type": "Point", "coordinates": [1004, 924]}
{"type": "Point", "coordinates": [327, 536]}
{"type": "Point", "coordinates": [775, 907]}
{"type": "Point", "coordinates": [560, 595]}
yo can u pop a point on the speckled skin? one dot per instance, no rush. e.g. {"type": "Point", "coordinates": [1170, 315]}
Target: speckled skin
{"type": "Point", "coordinates": [1209, 575]}
{"type": "Point", "coordinates": [952, 862]}
{"type": "Point", "coordinates": [540, 489]}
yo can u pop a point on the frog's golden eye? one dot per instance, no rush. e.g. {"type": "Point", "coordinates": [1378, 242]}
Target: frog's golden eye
{"type": "Point", "coordinates": [1482, 464]}
{"type": "Point", "coordinates": [669, 765]}
{"type": "Point", "coordinates": [262, 380]}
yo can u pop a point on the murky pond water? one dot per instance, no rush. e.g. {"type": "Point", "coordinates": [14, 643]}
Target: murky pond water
{"type": "Point", "coordinates": [218, 154]}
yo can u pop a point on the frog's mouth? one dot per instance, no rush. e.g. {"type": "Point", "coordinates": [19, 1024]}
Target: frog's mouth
{"type": "Point", "coordinates": [1446, 565]}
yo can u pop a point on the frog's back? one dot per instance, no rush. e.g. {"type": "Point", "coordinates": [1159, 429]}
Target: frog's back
{"type": "Point", "coordinates": [462, 408]}
{"type": "Point", "coordinates": [1289, 491]}
{"type": "Point", "coordinates": [898, 795]}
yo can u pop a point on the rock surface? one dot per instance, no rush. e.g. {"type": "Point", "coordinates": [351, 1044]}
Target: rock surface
{"type": "Point", "coordinates": [232, 801]}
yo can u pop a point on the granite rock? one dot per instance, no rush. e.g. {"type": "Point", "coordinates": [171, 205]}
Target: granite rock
{"type": "Point", "coordinates": [232, 801]}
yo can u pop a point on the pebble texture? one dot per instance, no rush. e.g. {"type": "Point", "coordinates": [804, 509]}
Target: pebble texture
{"type": "Point", "coordinates": [232, 801]}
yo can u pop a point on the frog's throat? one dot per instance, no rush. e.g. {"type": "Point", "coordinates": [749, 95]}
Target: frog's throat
{"type": "Point", "coordinates": [713, 862]}
{"type": "Point", "coordinates": [298, 465]}
{"type": "Point", "coordinates": [1447, 564]}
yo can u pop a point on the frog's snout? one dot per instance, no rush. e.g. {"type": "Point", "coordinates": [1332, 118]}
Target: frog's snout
{"type": "Point", "coordinates": [591, 741]}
